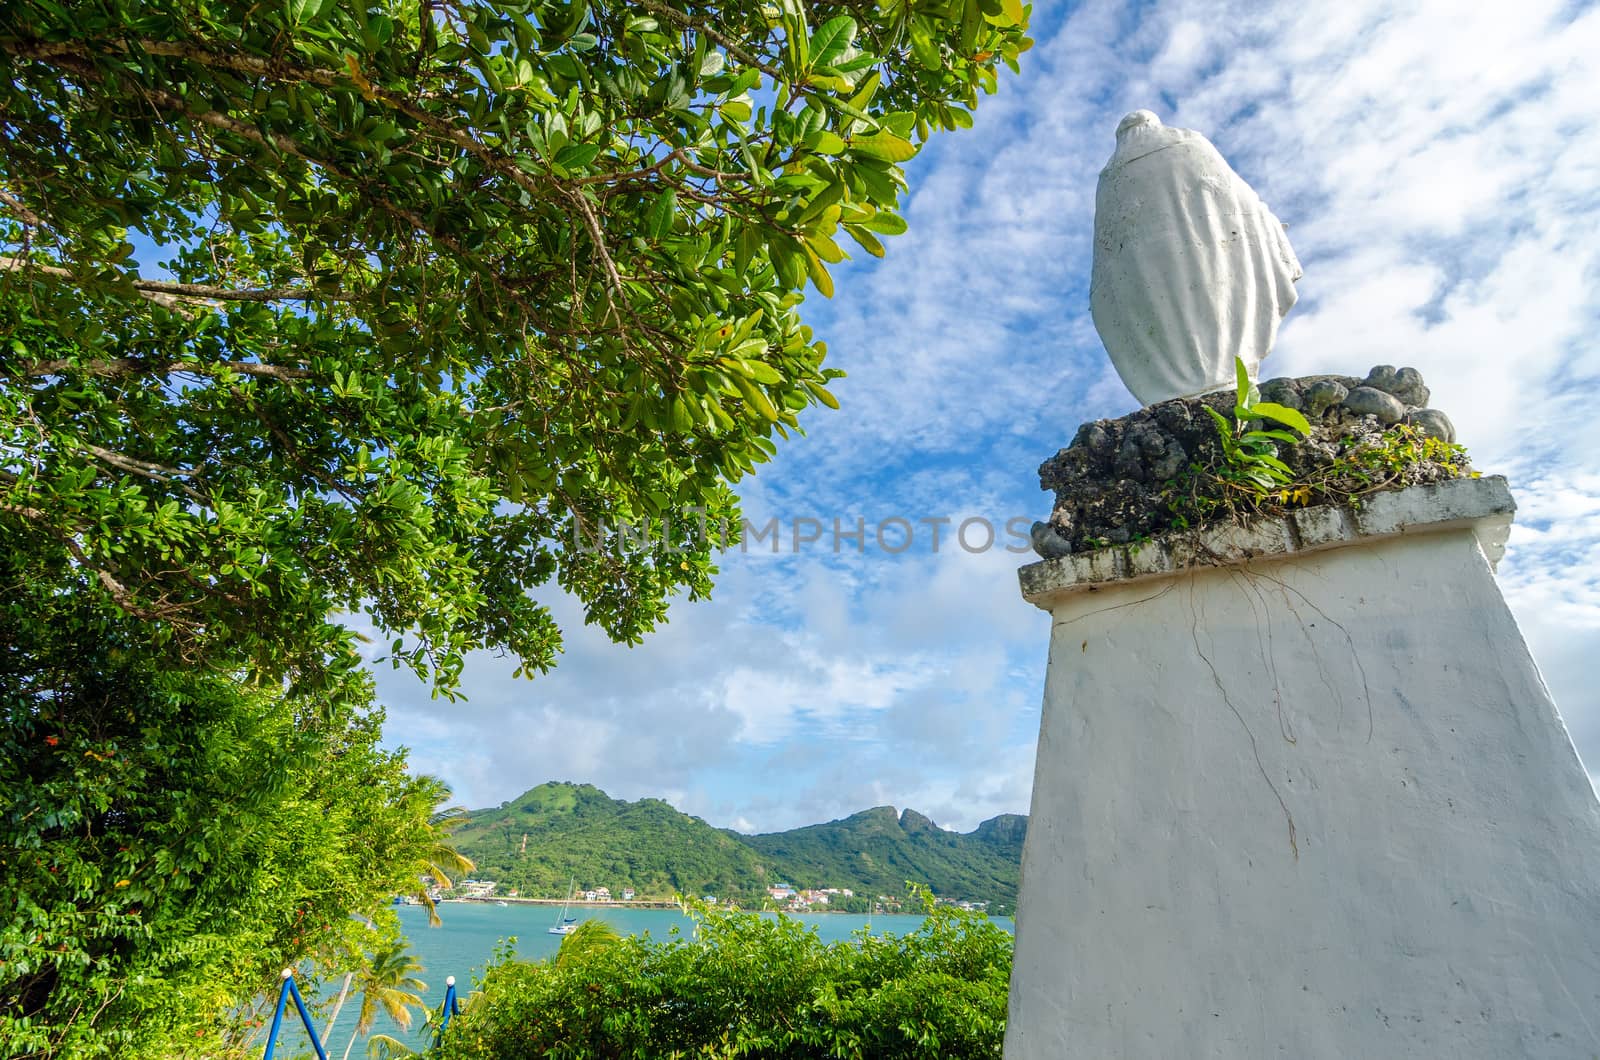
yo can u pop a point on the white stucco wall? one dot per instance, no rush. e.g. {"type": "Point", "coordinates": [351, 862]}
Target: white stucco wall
{"type": "Point", "coordinates": [1440, 896]}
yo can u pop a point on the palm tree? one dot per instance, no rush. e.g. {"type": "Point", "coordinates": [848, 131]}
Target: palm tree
{"type": "Point", "coordinates": [387, 983]}
{"type": "Point", "coordinates": [383, 1047]}
{"type": "Point", "coordinates": [344, 992]}
{"type": "Point", "coordinates": [590, 937]}
{"type": "Point", "coordinates": [440, 860]}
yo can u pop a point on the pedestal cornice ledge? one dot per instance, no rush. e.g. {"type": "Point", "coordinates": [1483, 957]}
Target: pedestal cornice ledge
{"type": "Point", "coordinates": [1482, 504]}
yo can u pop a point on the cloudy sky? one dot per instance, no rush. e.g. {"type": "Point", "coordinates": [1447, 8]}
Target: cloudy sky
{"type": "Point", "coordinates": [1439, 167]}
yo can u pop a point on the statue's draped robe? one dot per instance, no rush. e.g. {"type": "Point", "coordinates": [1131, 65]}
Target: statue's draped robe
{"type": "Point", "coordinates": [1190, 267]}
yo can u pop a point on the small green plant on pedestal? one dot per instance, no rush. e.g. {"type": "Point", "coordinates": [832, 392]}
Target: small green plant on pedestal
{"type": "Point", "coordinates": [1250, 456]}
{"type": "Point", "coordinates": [1252, 477]}
{"type": "Point", "coordinates": [1250, 469]}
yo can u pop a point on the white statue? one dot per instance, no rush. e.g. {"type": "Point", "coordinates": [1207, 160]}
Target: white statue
{"type": "Point", "coordinates": [1190, 267]}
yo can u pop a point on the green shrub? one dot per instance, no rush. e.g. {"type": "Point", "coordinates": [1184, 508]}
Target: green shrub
{"type": "Point", "coordinates": [750, 985]}
{"type": "Point", "coordinates": [172, 837]}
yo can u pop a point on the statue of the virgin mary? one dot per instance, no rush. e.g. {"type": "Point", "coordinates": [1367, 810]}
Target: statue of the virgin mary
{"type": "Point", "coordinates": [1190, 267]}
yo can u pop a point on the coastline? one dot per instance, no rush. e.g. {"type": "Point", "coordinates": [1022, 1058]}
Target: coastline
{"type": "Point", "coordinates": [641, 903]}
{"type": "Point", "coordinates": [637, 903]}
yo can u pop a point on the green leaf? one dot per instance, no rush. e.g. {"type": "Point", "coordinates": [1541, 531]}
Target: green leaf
{"type": "Point", "coordinates": [1276, 436]}
{"type": "Point", "coordinates": [763, 373]}
{"type": "Point", "coordinates": [305, 11]}
{"type": "Point", "coordinates": [830, 39]}
{"type": "Point", "coordinates": [818, 273]}
{"type": "Point", "coordinates": [755, 398]}
{"type": "Point", "coordinates": [822, 394]}
{"type": "Point", "coordinates": [576, 156]}
{"type": "Point", "coordinates": [825, 248]}
{"type": "Point", "coordinates": [827, 143]}
{"type": "Point", "coordinates": [1282, 414]}
{"type": "Point", "coordinates": [885, 223]}
{"type": "Point", "coordinates": [822, 204]}
{"type": "Point", "coordinates": [865, 91]}
{"type": "Point", "coordinates": [885, 145]}
{"type": "Point", "coordinates": [1224, 425]}
{"type": "Point", "coordinates": [866, 239]}
{"type": "Point", "coordinates": [662, 212]}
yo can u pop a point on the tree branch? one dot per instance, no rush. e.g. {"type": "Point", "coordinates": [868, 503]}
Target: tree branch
{"type": "Point", "coordinates": [114, 367]}
{"type": "Point", "coordinates": [733, 47]}
{"type": "Point", "coordinates": [167, 291]}
{"type": "Point", "coordinates": [119, 592]}
{"type": "Point", "coordinates": [148, 470]}
{"type": "Point", "coordinates": [287, 146]}
{"type": "Point", "coordinates": [27, 216]}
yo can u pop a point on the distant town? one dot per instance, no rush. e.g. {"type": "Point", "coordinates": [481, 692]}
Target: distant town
{"type": "Point", "coordinates": [781, 897]}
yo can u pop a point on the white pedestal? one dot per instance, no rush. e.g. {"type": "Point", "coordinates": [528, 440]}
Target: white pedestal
{"type": "Point", "coordinates": [1301, 793]}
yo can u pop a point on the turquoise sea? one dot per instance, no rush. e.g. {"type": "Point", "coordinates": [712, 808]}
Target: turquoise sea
{"type": "Point", "coordinates": [466, 943]}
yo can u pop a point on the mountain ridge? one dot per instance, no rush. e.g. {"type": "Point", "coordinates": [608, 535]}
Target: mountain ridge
{"type": "Point", "coordinates": [559, 831]}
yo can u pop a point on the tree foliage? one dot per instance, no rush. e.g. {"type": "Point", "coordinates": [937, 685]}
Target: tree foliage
{"type": "Point", "coordinates": [309, 307]}
{"type": "Point", "coordinates": [751, 985]}
{"type": "Point", "coordinates": [171, 839]}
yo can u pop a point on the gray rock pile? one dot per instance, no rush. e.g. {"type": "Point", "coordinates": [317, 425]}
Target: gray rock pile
{"type": "Point", "coordinates": [1114, 482]}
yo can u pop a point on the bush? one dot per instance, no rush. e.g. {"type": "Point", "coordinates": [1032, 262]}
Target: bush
{"type": "Point", "coordinates": [751, 985]}
{"type": "Point", "coordinates": [172, 837]}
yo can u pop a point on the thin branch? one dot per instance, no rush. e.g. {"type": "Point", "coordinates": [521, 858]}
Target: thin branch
{"type": "Point", "coordinates": [28, 217]}
{"type": "Point", "coordinates": [675, 155]}
{"type": "Point", "coordinates": [165, 299]}
{"type": "Point", "coordinates": [166, 291]}
{"type": "Point", "coordinates": [289, 147]}
{"type": "Point", "coordinates": [31, 514]}
{"type": "Point", "coordinates": [145, 469]}
{"type": "Point", "coordinates": [593, 224]}
{"type": "Point", "coordinates": [113, 367]}
{"type": "Point", "coordinates": [203, 292]}
{"type": "Point", "coordinates": [734, 48]}
{"type": "Point", "coordinates": [119, 592]}
{"type": "Point", "coordinates": [678, 155]}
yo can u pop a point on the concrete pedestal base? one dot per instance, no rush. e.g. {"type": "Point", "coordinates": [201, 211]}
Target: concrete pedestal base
{"type": "Point", "coordinates": [1313, 802]}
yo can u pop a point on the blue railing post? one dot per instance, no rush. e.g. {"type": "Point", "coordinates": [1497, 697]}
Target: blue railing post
{"type": "Point", "coordinates": [449, 1000]}
{"type": "Point", "coordinates": [305, 1017]}
{"type": "Point", "coordinates": [277, 1017]}
{"type": "Point", "coordinates": [452, 1005]}
{"type": "Point", "coordinates": [290, 990]}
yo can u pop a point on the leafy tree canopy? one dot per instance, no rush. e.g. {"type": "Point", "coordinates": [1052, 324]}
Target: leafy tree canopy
{"type": "Point", "coordinates": [310, 307]}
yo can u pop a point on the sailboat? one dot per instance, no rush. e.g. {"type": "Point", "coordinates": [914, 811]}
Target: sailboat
{"type": "Point", "coordinates": [566, 925]}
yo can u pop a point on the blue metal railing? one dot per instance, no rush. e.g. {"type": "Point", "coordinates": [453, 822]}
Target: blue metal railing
{"type": "Point", "coordinates": [287, 991]}
{"type": "Point", "coordinates": [452, 1005]}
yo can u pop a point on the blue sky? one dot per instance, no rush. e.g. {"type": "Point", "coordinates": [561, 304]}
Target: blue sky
{"type": "Point", "coordinates": [1439, 167]}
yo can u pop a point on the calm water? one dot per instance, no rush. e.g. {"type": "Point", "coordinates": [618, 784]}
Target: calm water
{"type": "Point", "coordinates": [465, 945]}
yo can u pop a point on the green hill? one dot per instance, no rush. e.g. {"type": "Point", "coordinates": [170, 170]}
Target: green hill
{"type": "Point", "coordinates": [559, 832]}
{"type": "Point", "coordinates": [879, 850]}
{"type": "Point", "coordinates": [575, 832]}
